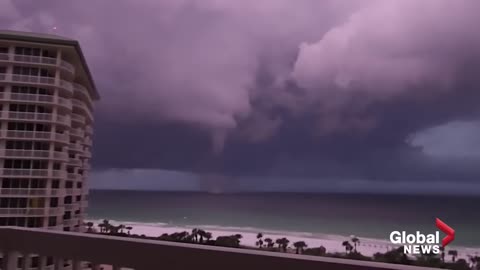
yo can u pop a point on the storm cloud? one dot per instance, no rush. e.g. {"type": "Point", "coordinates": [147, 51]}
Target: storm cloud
{"type": "Point", "coordinates": [298, 89]}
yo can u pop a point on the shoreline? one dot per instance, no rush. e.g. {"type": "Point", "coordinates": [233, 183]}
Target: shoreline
{"type": "Point", "coordinates": [333, 243]}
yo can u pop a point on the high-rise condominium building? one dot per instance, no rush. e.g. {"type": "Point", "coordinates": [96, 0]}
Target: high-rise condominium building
{"type": "Point", "coordinates": [46, 104]}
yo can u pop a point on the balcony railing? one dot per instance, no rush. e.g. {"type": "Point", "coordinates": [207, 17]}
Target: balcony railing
{"type": "Point", "coordinates": [143, 254]}
{"type": "Point", "coordinates": [81, 89]}
{"type": "Point", "coordinates": [33, 79]}
{"type": "Point", "coordinates": [77, 132]}
{"type": "Point", "coordinates": [89, 130]}
{"type": "Point", "coordinates": [78, 118]}
{"type": "Point", "coordinates": [22, 211]}
{"type": "Point", "coordinates": [37, 60]}
{"type": "Point", "coordinates": [29, 116]}
{"type": "Point", "coordinates": [24, 172]}
{"type": "Point", "coordinates": [25, 191]}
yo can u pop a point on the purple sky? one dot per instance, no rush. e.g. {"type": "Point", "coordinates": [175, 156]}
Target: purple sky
{"type": "Point", "coordinates": [277, 94]}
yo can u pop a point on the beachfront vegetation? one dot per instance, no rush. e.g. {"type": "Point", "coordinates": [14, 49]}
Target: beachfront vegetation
{"type": "Point", "coordinates": [396, 256]}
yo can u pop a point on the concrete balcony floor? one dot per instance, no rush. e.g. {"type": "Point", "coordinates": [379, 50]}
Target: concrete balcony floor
{"type": "Point", "coordinates": [80, 249]}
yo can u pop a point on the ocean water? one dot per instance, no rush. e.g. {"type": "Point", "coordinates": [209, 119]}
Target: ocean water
{"type": "Point", "coordinates": [366, 216]}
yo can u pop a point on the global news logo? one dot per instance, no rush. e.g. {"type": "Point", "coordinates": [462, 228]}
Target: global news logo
{"type": "Point", "coordinates": [419, 243]}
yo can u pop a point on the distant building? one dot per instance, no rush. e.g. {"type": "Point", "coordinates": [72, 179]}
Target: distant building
{"type": "Point", "coordinates": [46, 105]}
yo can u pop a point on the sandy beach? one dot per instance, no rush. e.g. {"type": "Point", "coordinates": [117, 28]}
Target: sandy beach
{"type": "Point", "coordinates": [333, 243]}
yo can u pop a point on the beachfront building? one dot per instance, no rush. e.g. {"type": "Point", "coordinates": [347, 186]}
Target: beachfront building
{"type": "Point", "coordinates": [46, 105]}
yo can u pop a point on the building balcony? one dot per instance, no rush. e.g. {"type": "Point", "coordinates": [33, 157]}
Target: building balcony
{"type": "Point", "coordinates": [35, 117]}
{"type": "Point", "coordinates": [87, 141]}
{"type": "Point", "coordinates": [86, 153]}
{"type": "Point", "coordinates": [70, 207]}
{"type": "Point", "coordinates": [74, 177]}
{"type": "Point", "coordinates": [78, 88]}
{"type": "Point", "coordinates": [59, 174]}
{"type": "Point", "coordinates": [35, 192]}
{"type": "Point", "coordinates": [142, 254]}
{"type": "Point", "coordinates": [75, 147]}
{"type": "Point", "coordinates": [83, 107]}
{"type": "Point", "coordinates": [89, 130]}
{"type": "Point", "coordinates": [39, 60]}
{"type": "Point", "coordinates": [37, 98]}
{"type": "Point", "coordinates": [70, 222]}
{"type": "Point", "coordinates": [34, 135]}
{"type": "Point", "coordinates": [23, 212]}
{"type": "Point", "coordinates": [56, 211]}
{"type": "Point", "coordinates": [33, 154]}
{"type": "Point", "coordinates": [37, 80]}
{"type": "Point", "coordinates": [78, 118]}
{"type": "Point", "coordinates": [24, 172]}
{"type": "Point", "coordinates": [77, 132]}
{"type": "Point", "coordinates": [74, 162]}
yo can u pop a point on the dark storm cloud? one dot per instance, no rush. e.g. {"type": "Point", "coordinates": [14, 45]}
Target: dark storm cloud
{"type": "Point", "coordinates": [323, 89]}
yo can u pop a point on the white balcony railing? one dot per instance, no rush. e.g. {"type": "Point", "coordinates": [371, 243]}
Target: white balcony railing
{"type": "Point", "coordinates": [22, 153]}
{"type": "Point", "coordinates": [30, 116]}
{"type": "Point", "coordinates": [81, 89]}
{"type": "Point", "coordinates": [75, 162]}
{"type": "Point", "coordinates": [32, 97]}
{"type": "Point", "coordinates": [55, 211]}
{"type": "Point", "coordinates": [144, 254]}
{"type": "Point", "coordinates": [77, 132]}
{"type": "Point", "coordinates": [25, 191]}
{"type": "Point", "coordinates": [89, 130]}
{"type": "Point", "coordinates": [4, 56]}
{"type": "Point", "coordinates": [23, 172]}
{"type": "Point", "coordinates": [19, 153]}
{"type": "Point", "coordinates": [37, 60]}
{"type": "Point", "coordinates": [65, 102]}
{"type": "Point", "coordinates": [63, 119]}
{"type": "Point", "coordinates": [22, 211]}
{"type": "Point", "coordinates": [75, 147]}
{"type": "Point", "coordinates": [78, 118]}
{"type": "Point", "coordinates": [64, 64]}
{"type": "Point", "coordinates": [20, 134]}
{"type": "Point", "coordinates": [33, 79]}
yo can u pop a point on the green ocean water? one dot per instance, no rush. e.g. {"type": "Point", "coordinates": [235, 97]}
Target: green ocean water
{"type": "Point", "coordinates": [372, 216]}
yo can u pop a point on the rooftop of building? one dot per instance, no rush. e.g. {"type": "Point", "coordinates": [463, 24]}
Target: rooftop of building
{"type": "Point", "coordinates": [51, 39]}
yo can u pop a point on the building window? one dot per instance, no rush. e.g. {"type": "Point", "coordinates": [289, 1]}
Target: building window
{"type": "Point", "coordinates": [34, 222]}
{"type": "Point", "coordinates": [69, 184]}
{"type": "Point", "coordinates": [3, 49]}
{"type": "Point", "coordinates": [67, 215]}
{"type": "Point", "coordinates": [55, 184]}
{"type": "Point", "coordinates": [53, 202]}
{"type": "Point", "coordinates": [67, 200]}
{"type": "Point", "coordinates": [52, 221]}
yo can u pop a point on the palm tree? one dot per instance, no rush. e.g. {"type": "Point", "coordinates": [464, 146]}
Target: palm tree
{"type": "Point", "coordinates": [128, 228]}
{"type": "Point", "coordinates": [279, 243]}
{"type": "Point", "coordinates": [194, 234]}
{"type": "Point", "coordinates": [453, 253]}
{"type": "Point", "coordinates": [106, 225]}
{"type": "Point", "coordinates": [89, 226]}
{"type": "Point", "coordinates": [442, 255]}
{"type": "Point", "coordinates": [282, 243]}
{"type": "Point", "coordinates": [269, 242]}
{"type": "Point", "coordinates": [348, 246]}
{"type": "Point", "coordinates": [355, 241]}
{"type": "Point", "coordinates": [208, 236]}
{"type": "Point", "coordinates": [259, 242]}
{"type": "Point", "coordinates": [201, 234]}
{"type": "Point", "coordinates": [299, 246]}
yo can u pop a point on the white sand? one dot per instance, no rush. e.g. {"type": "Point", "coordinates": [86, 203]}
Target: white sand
{"type": "Point", "coordinates": [333, 243]}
